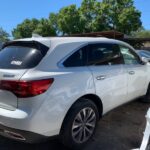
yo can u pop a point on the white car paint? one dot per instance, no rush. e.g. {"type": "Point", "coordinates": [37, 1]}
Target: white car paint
{"type": "Point", "coordinates": [44, 114]}
{"type": "Point", "coordinates": [109, 89]}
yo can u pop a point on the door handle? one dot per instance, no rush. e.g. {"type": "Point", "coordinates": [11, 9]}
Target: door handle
{"type": "Point", "coordinates": [102, 77]}
{"type": "Point", "coordinates": [131, 72]}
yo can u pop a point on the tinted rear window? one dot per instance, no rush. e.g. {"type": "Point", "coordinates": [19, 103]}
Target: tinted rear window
{"type": "Point", "coordinates": [19, 57]}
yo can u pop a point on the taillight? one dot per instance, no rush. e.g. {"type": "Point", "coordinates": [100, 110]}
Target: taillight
{"type": "Point", "coordinates": [23, 89]}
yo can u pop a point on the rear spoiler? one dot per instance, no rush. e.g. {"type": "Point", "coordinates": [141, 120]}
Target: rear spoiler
{"type": "Point", "coordinates": [32, 44]}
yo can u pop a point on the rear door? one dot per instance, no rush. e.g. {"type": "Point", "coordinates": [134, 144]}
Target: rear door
{"type": "Point", "coordinates": [136, 73]}
{"type": "Point", "coordinates": [110, 78]}
{"type": "Point", "coordinates": [15, 60]}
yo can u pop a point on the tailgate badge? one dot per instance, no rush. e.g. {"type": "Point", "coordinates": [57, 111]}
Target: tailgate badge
{"type": "Point", "coordinates": [8, 75]}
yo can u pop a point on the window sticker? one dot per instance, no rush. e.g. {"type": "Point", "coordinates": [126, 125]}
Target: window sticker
{"type": "Point", "coordinates": [15, 62]}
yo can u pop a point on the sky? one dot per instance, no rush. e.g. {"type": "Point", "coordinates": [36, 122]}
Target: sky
{"type": "Point", "coordinates": [13, 12]}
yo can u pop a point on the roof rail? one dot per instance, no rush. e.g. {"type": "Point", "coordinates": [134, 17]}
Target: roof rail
{"type": "Point", "coordinates": [34, 35]}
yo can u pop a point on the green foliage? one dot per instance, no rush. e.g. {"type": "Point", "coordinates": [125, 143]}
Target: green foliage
{"type": "Point", "coordinates": [91, 16]}
{"type": "Point", "coordinates": [4, 36]}
{"type": "Point", "coordinates": [53, 20]}
{"type": "Point", "coordinates": [142, 34]}
{"type": "Point", "coordinates": [94, 16]}
{"type": "Point", "coordinates": [44, 28]}
{"type": "Point", "coordinates": [25, 29]}
{"type": "Point", "coordinates": [123, 16]}
{"type": "Point", "coordinates": [88, 14]}
{"type": "Point", "coordinates": [69, 20]}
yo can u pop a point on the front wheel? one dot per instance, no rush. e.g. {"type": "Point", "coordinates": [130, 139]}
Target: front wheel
{"type": "Point", "coordinates": [80, 123]}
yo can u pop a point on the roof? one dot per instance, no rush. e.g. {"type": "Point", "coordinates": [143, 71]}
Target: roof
{"type": "Point", "coordinates": [61, 40]}
{"type": "Point", "coordinates": [65, 39]}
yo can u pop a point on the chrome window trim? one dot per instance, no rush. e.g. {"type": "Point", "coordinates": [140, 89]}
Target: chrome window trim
{"type": "Point", "coordinates": [60, 63]}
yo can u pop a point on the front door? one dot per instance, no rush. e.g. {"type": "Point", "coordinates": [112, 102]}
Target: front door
{"type": "Point", "coordinates": [107, 66]}
{"type": "Point", "coordinates": [136, 73]}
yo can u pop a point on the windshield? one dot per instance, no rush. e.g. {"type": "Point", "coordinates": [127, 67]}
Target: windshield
{"type": "Point", "coordinates": [19, 57]}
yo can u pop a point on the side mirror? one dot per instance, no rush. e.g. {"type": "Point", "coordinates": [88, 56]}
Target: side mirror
{"type": "Point", "coordinates": [144, 60]}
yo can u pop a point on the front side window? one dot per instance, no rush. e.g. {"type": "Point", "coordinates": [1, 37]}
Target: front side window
{"type": "Point", "coordinates": [19, 57]}
{"type": "Point", "coordinates": [104, 54]}
{"type": "Point", "coordinates": [77, 59]}
{"type": "Point", "coordinates": [129, 56]}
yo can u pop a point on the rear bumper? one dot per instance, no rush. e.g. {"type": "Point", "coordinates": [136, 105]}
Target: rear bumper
{"type": "Point", "coordinates": [27, 127]}
{"type": "Point", "coordinates": [23, 136]}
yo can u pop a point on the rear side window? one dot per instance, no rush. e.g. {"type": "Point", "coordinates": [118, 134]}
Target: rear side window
{"type": "Point", "coordinates": [104, 54]}
{"type": "Point", "coordinates": [19, 57]}
{"type": "Point", "coordinates": [77, 59]}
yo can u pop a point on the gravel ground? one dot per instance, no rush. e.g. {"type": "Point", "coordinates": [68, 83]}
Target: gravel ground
{"type": "Point", "coordinates": [120, 129]}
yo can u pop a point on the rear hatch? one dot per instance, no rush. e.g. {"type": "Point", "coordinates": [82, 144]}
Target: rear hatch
{"type": "Point", "coordinates": [16, 58]}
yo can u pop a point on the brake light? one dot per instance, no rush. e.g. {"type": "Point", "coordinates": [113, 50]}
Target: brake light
{"type": "Point", "coordinates": [24, 89]}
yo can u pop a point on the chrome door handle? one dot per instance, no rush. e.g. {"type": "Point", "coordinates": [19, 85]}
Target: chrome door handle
{"type": "Point", "coordinates": [102, 77]}
{"type": "Point", "coordinates": [131, 72]}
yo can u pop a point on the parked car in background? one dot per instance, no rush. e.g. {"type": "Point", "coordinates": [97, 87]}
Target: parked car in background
{"type": "Point", "coordinates": [144, 53]}
{"type": "Point", "coordinates": [62, 86]}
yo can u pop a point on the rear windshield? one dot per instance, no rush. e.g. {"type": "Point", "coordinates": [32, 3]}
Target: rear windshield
{"type": "Point", "coordinates": [19, 57]}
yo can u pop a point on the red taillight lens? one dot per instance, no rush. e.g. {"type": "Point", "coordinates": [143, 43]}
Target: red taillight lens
{"type": "Point", "coordinates": [23, 89]}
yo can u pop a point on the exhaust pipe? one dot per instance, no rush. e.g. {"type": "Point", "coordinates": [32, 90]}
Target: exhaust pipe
{"type": "Point", "coordinates": [14, 135]}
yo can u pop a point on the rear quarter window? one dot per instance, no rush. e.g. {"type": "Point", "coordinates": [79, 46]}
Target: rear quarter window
{"type": "Point", "coordinates": [77, 59]}
{"type": "Point", "coordinates": [19, 57]}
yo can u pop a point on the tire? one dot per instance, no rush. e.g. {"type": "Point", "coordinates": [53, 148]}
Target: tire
{"type": "Point", "coordinates": [72, 133]}
{"type": "Point", "coordinates": [146, 98]}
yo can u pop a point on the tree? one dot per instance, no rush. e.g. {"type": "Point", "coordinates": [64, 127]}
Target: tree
{"type": "Point", "coordinates": [45, 28]}
{"type": "Point", "coordinates": [91, 16]}
{"type": "Point", "coordinates": [94, 16]}
{"type": "Point", "coordinates": [25, 29]}
{"type": "Point", "coordinates": [53, 17]}
{"type": "Point", "coordinates": [4, 36]}
{"type": "Point", "coordinates": [88, 14]}
{"type": "Point", "coordinates": [69, 20]}
{"type": "Point", "coordinates": [142, 34]}
{"type": "Point", "coordinates": [123, 16]}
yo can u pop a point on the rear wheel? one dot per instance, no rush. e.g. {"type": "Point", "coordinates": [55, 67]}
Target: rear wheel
{"type": "Point", "coordinates": [80, 123]}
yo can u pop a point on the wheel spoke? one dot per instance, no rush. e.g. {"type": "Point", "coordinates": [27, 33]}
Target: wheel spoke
{"type": "Point", "coordinates": [77, 131]}
{"type": "Point", "coordinates": [75, 126]}
{"type": "Point", "coordinates": [88, 130]}
{"type": "Point", "coordinates": [91, 118]}
{"type": "Point", "coordinates": [90, 112]}
{"type": "Point", "coordinates": [80, 136]}
{"type": "Point", "coordinates": [79, 117]}
{"type": "Point", "coordinates": [84, 135]}
{"type": "Point", "coordinates": [84, 114]}
{"type": "Point", "coordinates": [90, 125]}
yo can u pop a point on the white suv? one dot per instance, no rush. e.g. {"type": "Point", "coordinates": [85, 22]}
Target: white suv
{"type": "Point", "coordinates": [62, 86]}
